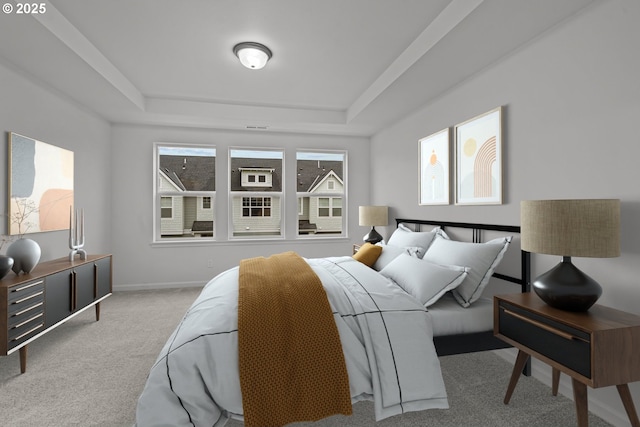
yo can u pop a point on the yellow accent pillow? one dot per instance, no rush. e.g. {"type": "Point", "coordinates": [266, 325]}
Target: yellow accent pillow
{"type": "Point", "coordinates": [368, 254]}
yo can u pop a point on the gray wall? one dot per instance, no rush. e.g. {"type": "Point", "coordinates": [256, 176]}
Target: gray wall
{"type": "Point", "coordinates": [572, 100]}
{"type": "Point", "coordinates": [141, 264]}
{"type": "Point", "coordinates": [30, 110]}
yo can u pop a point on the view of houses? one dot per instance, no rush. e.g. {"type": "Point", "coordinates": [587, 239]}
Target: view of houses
{"type": "Point", "coordinates": [187, 191]}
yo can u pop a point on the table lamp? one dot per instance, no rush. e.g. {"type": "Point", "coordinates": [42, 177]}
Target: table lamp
{"type": "Point", "coordinates": [578, 227]}
{"type": "Point", "coordinates": [370, 216]}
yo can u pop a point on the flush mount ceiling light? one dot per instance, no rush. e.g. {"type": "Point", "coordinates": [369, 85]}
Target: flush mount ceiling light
{"type": "Point", "coordinates": [252, 55]}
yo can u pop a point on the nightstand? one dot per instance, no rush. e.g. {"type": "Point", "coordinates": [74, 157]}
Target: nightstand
{"type": "Point", "coordinates": [597, 348]}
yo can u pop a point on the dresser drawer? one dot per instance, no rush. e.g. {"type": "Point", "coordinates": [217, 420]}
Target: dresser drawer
{"type": "Point", "coordinates": [24, 297]}
{"type": "Point", "coordinates": [566, 345]}
{"type": "Point", "coordinates": [25, 312]}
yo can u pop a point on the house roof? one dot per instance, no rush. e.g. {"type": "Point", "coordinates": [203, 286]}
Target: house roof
{"type": "Point", "coordinates": [190, 173]}
{"type": "Point", "coordinates": [238, 163]}
{"type": "Point", "coordinates": [312, 172]}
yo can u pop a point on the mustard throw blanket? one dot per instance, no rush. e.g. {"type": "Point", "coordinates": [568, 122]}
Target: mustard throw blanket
{"type": "Point", "coordinates": [291, 363]}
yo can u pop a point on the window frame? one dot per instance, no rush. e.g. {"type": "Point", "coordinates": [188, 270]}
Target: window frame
{"type": "Point", "coordinates": [159, 194]}
{"type": "Point", "coordinates": [331, 194]}
{"type": "Point", "coordinates": [261, 190]}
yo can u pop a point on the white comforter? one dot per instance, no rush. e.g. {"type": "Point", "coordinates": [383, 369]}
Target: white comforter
{"type": "Point", "coordinates": [386, 337]}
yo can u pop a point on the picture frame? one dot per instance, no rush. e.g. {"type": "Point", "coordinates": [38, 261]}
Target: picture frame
{"type": "Point", "coordinates": [478, 151]}
{"type": "Point", "coordinates": [434, 168]}
{"type": "Point", "coordinates": [40, 178]}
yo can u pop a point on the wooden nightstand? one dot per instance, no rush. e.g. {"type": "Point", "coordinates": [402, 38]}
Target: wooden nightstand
{"type": "Point", "coordinates": [597, 348]}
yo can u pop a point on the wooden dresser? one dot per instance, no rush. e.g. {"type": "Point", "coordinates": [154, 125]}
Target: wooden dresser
{"type": "Point", "coordinates": [35, 303]}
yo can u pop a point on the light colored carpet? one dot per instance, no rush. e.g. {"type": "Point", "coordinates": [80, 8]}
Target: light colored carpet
{"type": "Point", "coordinates": [88, 373]}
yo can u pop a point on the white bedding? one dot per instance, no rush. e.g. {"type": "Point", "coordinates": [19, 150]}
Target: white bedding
{"type": "Point", "coordinates": [449, 318]}
{"type": "Point", "coordinates": [386, 337]}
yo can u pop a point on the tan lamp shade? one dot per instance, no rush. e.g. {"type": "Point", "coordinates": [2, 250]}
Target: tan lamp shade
{"type": "Point", "coordinates": [575, 227]}
{"type": "Point", "coordinates": [373, 215]}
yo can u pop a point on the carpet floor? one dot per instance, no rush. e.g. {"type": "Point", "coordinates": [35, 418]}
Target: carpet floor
{"type": "Point", "coordinates": [88, 373]}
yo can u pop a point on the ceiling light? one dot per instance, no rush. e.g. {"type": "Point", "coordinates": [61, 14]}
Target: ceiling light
{"type": "Point", "coordinates": [252, 55]}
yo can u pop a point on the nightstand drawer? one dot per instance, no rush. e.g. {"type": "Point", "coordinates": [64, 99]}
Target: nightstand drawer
{"type": "Point", "coordinates": [566, 345]}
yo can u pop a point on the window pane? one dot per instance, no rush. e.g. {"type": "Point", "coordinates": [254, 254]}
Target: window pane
{"type": "Point", "coordinates": [321, 183]}
{"type": "Point", "coordinates": [188, 219]}
{"type": "Point", "coordinates": [260, 173]}
{"type": "Point", "coordinates": [185, 191]}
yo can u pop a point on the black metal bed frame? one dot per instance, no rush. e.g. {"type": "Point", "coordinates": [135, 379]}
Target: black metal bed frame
{"type": "Point", "coordinates": [479, 341]}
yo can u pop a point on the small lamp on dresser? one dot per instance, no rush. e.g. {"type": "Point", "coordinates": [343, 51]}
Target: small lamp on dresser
{"type": "Point", "coordinates": [370, 216]}
{"type": "Point", "coordinates": [575, 227]}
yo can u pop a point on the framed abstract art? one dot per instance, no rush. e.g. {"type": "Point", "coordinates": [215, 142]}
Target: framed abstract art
{"type": "Point", "coordinates": [40, 186]}
{"type": "Point", "coordinates": [434, 168]}
{"type": "Point", "coordinates": [478, 151]}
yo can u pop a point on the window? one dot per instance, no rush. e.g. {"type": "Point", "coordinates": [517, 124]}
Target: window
{"type": "Point", "coordinates": [255, 192]}
{"type": "Point", "coordinates": [321, 193]}
{"type": "Point", "coordinates": [206, 203]}
{"type": "Point", "coordinates": [166, 207]}
{"type": "Point", "coordinates": [184, 188]}
{"type": "Point", "coordinates": [329, 207]}
{"type": "Point", "coordinates": [256, 206]}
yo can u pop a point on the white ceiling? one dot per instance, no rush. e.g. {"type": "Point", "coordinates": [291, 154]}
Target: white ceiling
{"type": "Point", "coordinates": [346, 67]}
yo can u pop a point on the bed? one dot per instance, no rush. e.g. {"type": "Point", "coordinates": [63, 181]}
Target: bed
{"type": "Point", "coordinates": [472, 328]}
{"type": "Point", "coordinates": [390, 337]}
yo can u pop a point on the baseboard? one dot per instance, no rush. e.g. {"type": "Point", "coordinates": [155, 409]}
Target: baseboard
{"type": "Point", "coordinates": [542, 373]}
{"type": "Point", "coordinates": [156, 286]}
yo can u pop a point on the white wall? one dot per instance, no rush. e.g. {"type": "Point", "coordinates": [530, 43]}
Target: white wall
{"type": "Point", "coordinates": [28, 109]}
{"type": "Point", "coordinates": [572, 100]}
{"type": "Point", "coordinates": [141, 264]}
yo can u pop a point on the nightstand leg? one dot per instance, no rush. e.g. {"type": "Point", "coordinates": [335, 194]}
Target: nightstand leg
{"type": "Point", "coordinates": [627, 401]}
{"type": "Point", "coordinates": [521, 360]}
{"type": "Point", "coordinates": [555, 381]}
{"type": "Point", "coordinates": [582, 406]}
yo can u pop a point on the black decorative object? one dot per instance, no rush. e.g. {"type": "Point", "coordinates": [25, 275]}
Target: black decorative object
{"type": "Point", "coordinates": [6, 262]}
{"type": "Point", "coordinates": [567, 288]}
{"type": "Point", "coordinates": [372, 237]}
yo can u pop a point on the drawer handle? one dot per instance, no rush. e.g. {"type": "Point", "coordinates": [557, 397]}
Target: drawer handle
{"type": "Point", "coordinates": [28, 320]}
{"type": "Point", "coordinates": [28, 332]}
{"type": "Point", "coordinates": [541, 325]}
{"type": "Point", "coordinates": [28, 298]}
{"type": "Point", "coordinates": [27, 286]}
{"type": "Point", "coordinates": [26, 309]}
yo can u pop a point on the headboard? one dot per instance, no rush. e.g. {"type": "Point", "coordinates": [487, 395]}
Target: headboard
{"type": "Point", "coordinates": [524, 279]}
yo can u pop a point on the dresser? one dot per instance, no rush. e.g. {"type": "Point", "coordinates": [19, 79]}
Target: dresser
{"type": "Point", "coordinates": [33, 304]}
{"type": "Point", "coordinates": [597, 348]}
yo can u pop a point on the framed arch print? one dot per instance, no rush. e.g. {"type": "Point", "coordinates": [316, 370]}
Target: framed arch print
{"type": "Point", "coordinates": [434, 169]}
{"type": "Point", "coordinates": [478, 151]}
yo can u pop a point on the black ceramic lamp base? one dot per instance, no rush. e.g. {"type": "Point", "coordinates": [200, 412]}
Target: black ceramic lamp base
{"type": "Point", "coordinates": [372, 237]}
{"type": "Point", "coordinates": [567, 288]}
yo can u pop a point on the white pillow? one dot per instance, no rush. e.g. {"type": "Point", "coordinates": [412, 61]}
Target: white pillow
{"type": "Point", "coordinates": [389, 253]}
{"type": "Point", "coordinates": [424, 280]}
{"type": "Point", "coordinates": [481, 259]}
{"type": "Point", "coordinates": [404, 238]}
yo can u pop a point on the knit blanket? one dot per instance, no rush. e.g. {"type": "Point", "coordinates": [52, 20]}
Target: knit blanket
{"type": "Point", "coordinates": [291, 362]}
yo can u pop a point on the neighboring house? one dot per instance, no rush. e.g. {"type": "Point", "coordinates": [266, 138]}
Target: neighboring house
{"type": "Point", "coordinates": [321, 213]}
{"type": "Point", "coordinates": [259, 211]}
{"type": "Point", "coordinates": [186, 215]}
